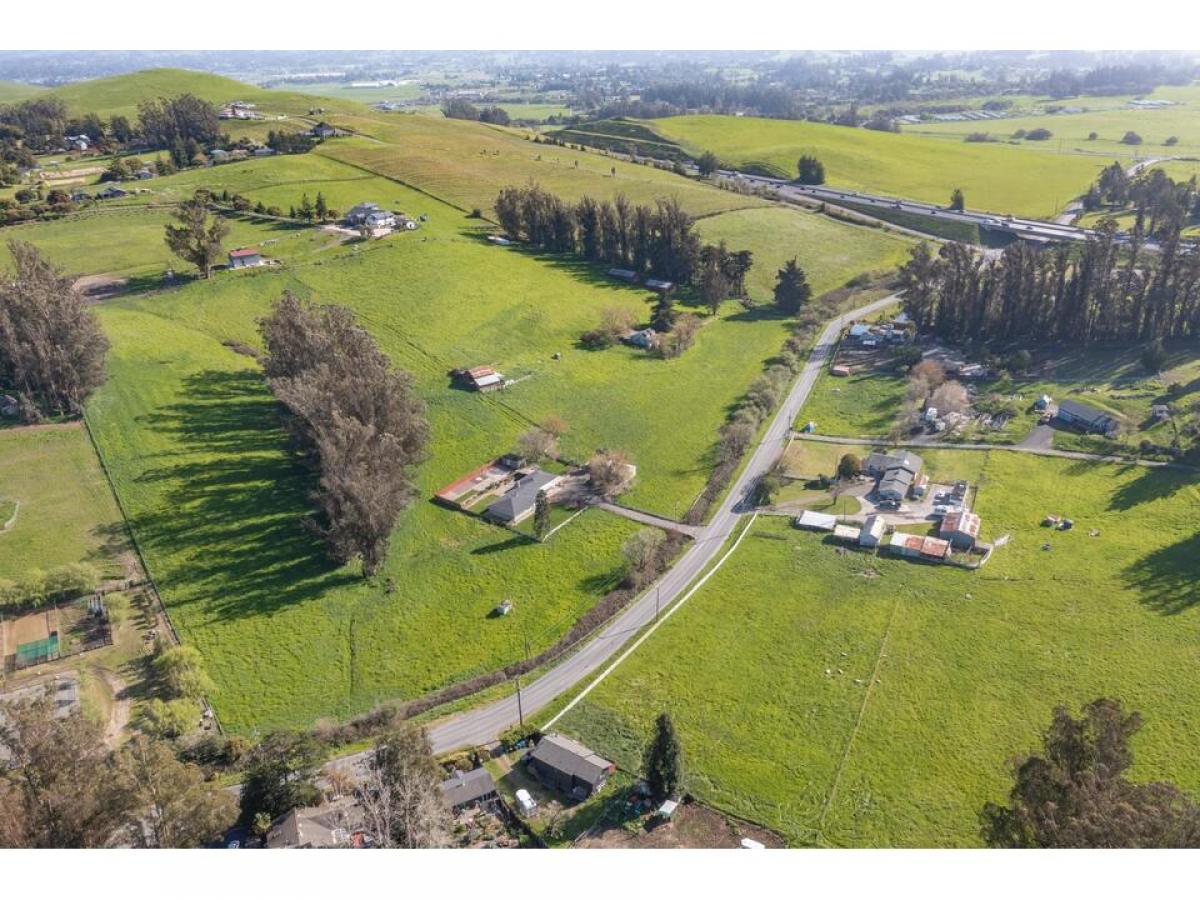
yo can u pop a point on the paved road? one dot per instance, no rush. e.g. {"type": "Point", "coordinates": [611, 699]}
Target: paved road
{"type": "Point", "coordinates": [1014, 448]}
{"type": "Point", "coordinates": [485, 724]}
{"type": "Point", "coordinates": [1029, 229]}
{"type": "Point", "coordinates": [646, 518]}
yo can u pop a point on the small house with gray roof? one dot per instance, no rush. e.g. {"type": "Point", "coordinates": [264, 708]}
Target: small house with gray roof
{"type": "Point", "coordinates": [518, 504]}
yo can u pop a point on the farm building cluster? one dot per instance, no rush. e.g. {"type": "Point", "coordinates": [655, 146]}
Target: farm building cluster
{"type": "Point", "coordinates": [893, 478]}
{"type": "Point", "coordinates": [379, 221]}
{"type": "Point", "coordinates": [503, 491]}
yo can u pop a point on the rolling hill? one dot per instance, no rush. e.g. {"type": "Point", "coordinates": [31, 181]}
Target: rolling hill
{"type": "Point", "coordinates": [13, 91]}
{"type": "Point", "coordinates": [995, 177]}
{"type": "Point", "coordinates": [121, 94]}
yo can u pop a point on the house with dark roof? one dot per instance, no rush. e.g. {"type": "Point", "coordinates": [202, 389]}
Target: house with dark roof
{"type": "Point", "coordinates": [324, 130]}
{"type": "Point", "coordinates": [518, 504]}
{"type": "Point", "coordinates": [1086, 418]}
{"type": "Point", "coordinates": [568, 766]}
{"type": "Point", "coordinates": [466, 789]}
{"type": "Point", "coordinates": [896, 473]}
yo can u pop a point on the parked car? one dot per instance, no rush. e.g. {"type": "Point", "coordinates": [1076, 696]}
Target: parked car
{"type": "Point", "coordinates": [525, 802]}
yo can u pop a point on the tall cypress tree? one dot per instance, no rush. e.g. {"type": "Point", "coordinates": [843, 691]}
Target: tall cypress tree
{"type": "Point", "coordinates": [663, 761]}
{"type": "Point", "coordinates": [541, 516]}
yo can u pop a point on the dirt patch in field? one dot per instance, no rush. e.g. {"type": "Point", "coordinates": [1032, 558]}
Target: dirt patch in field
{"type": "Point", "coordinates": [119, 709]}
{"type": "Point", "coordinates": [100, 287]}
{"type": "Point", "coordinates": [694, 826]}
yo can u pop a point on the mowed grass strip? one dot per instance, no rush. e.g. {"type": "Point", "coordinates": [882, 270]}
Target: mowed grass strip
{"type": "Point", "coordinates": [992, 176]}
{"type": "Point", "coordinates": [766, 671]}
{"type": "Point", "coordinates": [66, 512]}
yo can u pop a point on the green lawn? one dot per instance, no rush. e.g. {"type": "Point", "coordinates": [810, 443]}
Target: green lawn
{"type": "Point", "coordinates": [993, 176]}
{"type": "Point", "coordinates": [66, 512]}
{"type": "Point", "coordinates": [849, 700]}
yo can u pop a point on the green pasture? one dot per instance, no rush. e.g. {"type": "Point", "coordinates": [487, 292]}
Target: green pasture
{"type": "Point", "coordinates": [188, 429]}
{"type": "Point", "coordinates": [827, 251]}
{"type": "Point", "coordinates": [991, 176]}
{"type": "Point", "coordinates": [1109, 121]}
{"type": "Point", "coordinates": [466, 164]}
{"type": "Point", "coordinates": [66, 512]}
{"type": "Point", "coordinates": [858, 700]}
{"type": "Point", "coordinates": [16, 91]}
{"type": "Point", "coordinates": [121, 94]}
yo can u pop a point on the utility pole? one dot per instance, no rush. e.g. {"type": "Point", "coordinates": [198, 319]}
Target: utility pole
{"type": "Point", "coordinates": [657, 598]}
{"type": "Point", "coordinates": [520, 708]}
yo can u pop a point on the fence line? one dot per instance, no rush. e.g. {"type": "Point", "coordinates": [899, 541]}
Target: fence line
{"type": "Point", "coordinates": [137, 549]}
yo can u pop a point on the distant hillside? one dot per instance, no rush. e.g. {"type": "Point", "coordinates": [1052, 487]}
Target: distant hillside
{"type": "Point", "coordinates": [121, 94]}
{"type": "Point", "coordinates": [11, 91]}
{"type": "Point", "coordinates": [623, 136]}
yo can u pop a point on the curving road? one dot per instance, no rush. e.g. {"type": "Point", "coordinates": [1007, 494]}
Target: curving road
{"type": "Point", "coordinates": [485, 724]}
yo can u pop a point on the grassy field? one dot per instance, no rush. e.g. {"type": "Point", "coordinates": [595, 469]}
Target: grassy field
{"type": "Point", "coordinates": [188, 432]}
{"type": "Point", "coordinates": [1110, 120]}
{"type": "Point", "coordinates": [851, 700]}
{"type": "Point", "coordinates": [466, 164]}
{"type": "Point", "coordinates": [121, 94]}
{"type": "Point", "coordinates": [405, 90]}
{"type": "Point", "coordinates": [66, 513]}
{"type": "Point", "coordinates": [992, 176]}
{"type": "Point", "coordinates": [1110, 379]}
{"type": "Point", "coordinates": [826, 250]}
{"type": "Point", "coordinates": [15, 91]}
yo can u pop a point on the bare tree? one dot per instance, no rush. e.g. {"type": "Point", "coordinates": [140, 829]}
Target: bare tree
{"type": "Point", "coordinates": [51, 346]}
{"type": "Point", "coordinates": [609, 471]}
{"type": "Point", "coordinates": [536, 444]}
{"type": "Point", "coordinates": [950, 397]}
{"type": "Point", "coordinates": [198, 237]}
{"type": "Point", "coordinates": [401, 797]}
{"type": "Point", "coordinates": [642, 552]}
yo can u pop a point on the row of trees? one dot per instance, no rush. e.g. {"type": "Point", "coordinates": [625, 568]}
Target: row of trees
{"type": "Point", "coordinates": [51, 346]}
{"type": "Point", "coordinates": [658, 240]}
{"type": "Point", "coordinates": [1100, 292]}
{"type": "Point", "coordinates": [38, 586]}
{"type": "Point", "coordinates": [355, 417]}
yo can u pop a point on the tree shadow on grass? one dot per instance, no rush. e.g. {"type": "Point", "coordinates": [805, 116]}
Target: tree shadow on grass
{"type": "Point", "coordinates": [1150, 485]}
{"type": "Point", "coordinates": [1167, 578]}
{"type": "Point", "coordinates": [233, 502]}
